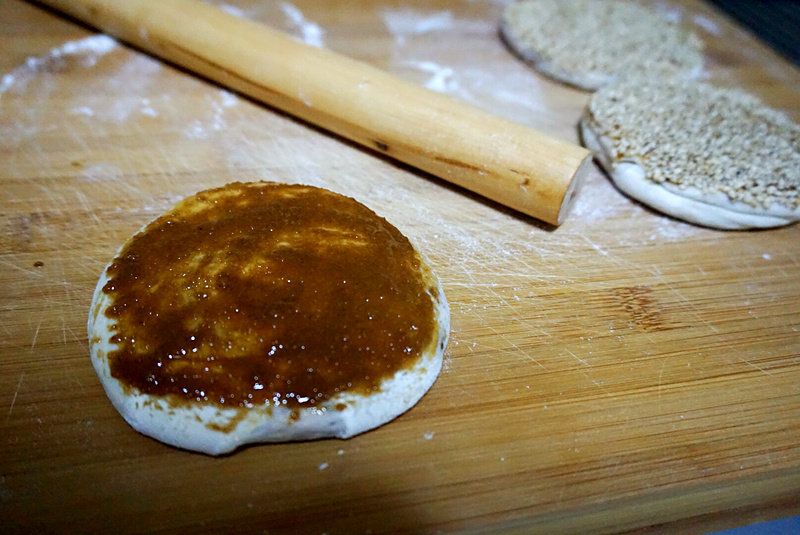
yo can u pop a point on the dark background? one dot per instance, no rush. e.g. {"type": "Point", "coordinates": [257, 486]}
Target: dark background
{"type": "Point", "coordinates": [776, 22]}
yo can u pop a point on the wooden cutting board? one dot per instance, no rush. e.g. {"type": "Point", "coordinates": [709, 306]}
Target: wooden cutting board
{"type": "Point", "coordinates": [622, 371]}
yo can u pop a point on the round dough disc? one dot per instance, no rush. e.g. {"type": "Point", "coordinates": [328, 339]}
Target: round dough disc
{"type": "Point", "coordinates": [264, 312]}
{"type": "Point", "coordinates": [710, 156]}
{"type": "Point", "coordinates": [591, 43]}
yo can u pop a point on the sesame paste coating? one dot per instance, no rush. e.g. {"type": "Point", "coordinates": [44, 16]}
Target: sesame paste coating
{"type": "Point", "coordinates": [264, 293]}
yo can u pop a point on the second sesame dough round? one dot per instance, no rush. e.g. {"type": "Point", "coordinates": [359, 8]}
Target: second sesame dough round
{"type": "Point", "coordinates": [589, 44]}
{"type": "Point", "coordinates": [711, 156]}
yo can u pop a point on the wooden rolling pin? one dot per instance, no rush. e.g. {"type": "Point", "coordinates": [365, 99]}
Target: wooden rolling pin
{"type": "Point", "coordinates": [499, 159]}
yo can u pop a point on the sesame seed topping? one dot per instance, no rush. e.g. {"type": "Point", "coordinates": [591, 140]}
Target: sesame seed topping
{"type": "Point", "coordinates": [693, 134]}
{"type": "Point", "coordinates": [591, 43]}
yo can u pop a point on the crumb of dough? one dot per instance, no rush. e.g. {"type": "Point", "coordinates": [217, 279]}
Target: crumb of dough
{"type": "Point", "coordinates": [695, 135]}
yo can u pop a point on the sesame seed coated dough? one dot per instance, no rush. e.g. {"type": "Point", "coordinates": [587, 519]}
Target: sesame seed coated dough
{"type": "Point", "coordinates": [590, 43]}
{"type": "Point", "coordinates": [713, 156]}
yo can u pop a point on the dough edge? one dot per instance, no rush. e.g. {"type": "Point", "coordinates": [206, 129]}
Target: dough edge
{"type": "Point", "coordinates": [586, 80]}
{"type": "Point", "coordinates": [214, 430]}
{"type": "Point", "coordinates": [691, 205]}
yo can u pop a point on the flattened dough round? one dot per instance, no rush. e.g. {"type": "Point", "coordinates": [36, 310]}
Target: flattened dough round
{"type": "Point", "coordinates": [263, 312]}
{"type": "Point", "coordinates": [711, 156]}
{"type": "Point", "coordinates": [591, 43]}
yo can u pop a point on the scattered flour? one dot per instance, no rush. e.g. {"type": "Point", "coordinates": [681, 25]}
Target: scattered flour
{"type": "Point", "coordinates": [249, 151]}
{"type": "Point", "coordinates": [500, 91]}
{"type": "Point", "coordinates": [482, 263]}
{"type": "Point", "coordinates": [707, 24]}
{"type": "Point", "coordinates": [442, 79]}
{"type": "Point", "coordinates": [232, 10]}
{"type": "Point", "coordinates": [297, 24]}
{"type": "Point", "coordinates": [311, 33]}
{"type": "Point", "coordinates": [146, 109]}
{"type": "Point", "coordinates": [96, 45]}
{"type": "Point", "coordinates": [129, 82]}
{"type": "Point", "coordinates": [669, 11]}
{"type": "Point", "coordinates": [89, 50]}
{"type": "Point", "coordinates": [102, 172]}
{"type": "Point", "coordinates": [82, 110]}
{"type": "Point", "coordinates": [403, 23]}
{"type": "Point", "coordinates": [215, 122]}
{"type": "Point", "coordinates": [138, 82]}
{"type": "Point", "coordinates": [132, 87]}
{"type": "Point", "coordinates": [472, 85]}
{"type": "Point", "coordinates": [6, 82]}
{"type": "Point", "coordinates": [228, 99]}
{"type": "Point", "coordinates": [406, 22]}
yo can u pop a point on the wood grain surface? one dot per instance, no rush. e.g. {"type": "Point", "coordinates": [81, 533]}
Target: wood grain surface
{"type": "Point", "coordinates": [503, 160]}
{"type": "Point", "coordinates": [624, 371]}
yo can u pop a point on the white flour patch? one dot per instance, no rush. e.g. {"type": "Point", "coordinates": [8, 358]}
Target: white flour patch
{"type": "Point", "coordinates": [475, 87]}
{"type": "Point", "coordinates": [196, 130]}
{"type": "Point", "coordinates": [311, 33]}
{"type": "Point", "coordinates": [232, 10]}
{"type": "Point", "coordinates": [403, 23]}
{"type": "Point", "coordinates": [39, 79]}
{"type": "Point", "coordinates": [447, 361]}
{"type": "Point", "coordinates": [87, 50]}
{"type": "Point", "coordinates": [228, 99]}
{"type": "Point", "coordinates": [82, 110]}
{"type": "Point", "coordinates": [102, 172]}
{"type": "Point", "coordinates": [92, 47]}
{"type": "Point", "coordinates": [669, 11]}
{"type": "Point", "coordinates": [203, 128]}
{"type": "Point", "coordinates": [672, 230]}
{"type": "Point", "coordinates": [442, 79]}
{"type": "Point", "coordinates": [707, 24]}
{"type": "Point", "coordinates": [597, 201]}
{"type": "Point", "coordinates": [6, 82]}
{"type": "Point", "coordinates": [146, 109]}
{"type": "Point", "coordinates": [134, 79]}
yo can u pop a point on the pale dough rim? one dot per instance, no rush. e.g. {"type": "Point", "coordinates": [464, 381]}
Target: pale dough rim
{"type": "Point", "coordinates": [586, 80]}
{"type": "Point", "coordinates": [187, 426]}
{"type": "Point", "coordinates": [690, 204]}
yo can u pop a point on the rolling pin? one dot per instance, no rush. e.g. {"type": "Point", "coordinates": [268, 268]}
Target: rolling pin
{"type": "Point", "coordinates": [507, 162]}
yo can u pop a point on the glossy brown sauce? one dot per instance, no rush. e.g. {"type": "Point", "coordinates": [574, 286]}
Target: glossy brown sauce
{"type": "Point", "coordinates": [267, 294]}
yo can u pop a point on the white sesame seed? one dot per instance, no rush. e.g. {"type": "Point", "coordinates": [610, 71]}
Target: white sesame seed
{"type": "Point", "coordinates": [590, 43]}
{"type": "Point", "coordinates": [692, 134]}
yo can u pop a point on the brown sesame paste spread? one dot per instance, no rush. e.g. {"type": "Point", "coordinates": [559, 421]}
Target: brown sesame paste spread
{"type": "Point", "coordinates": [267, 294]}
